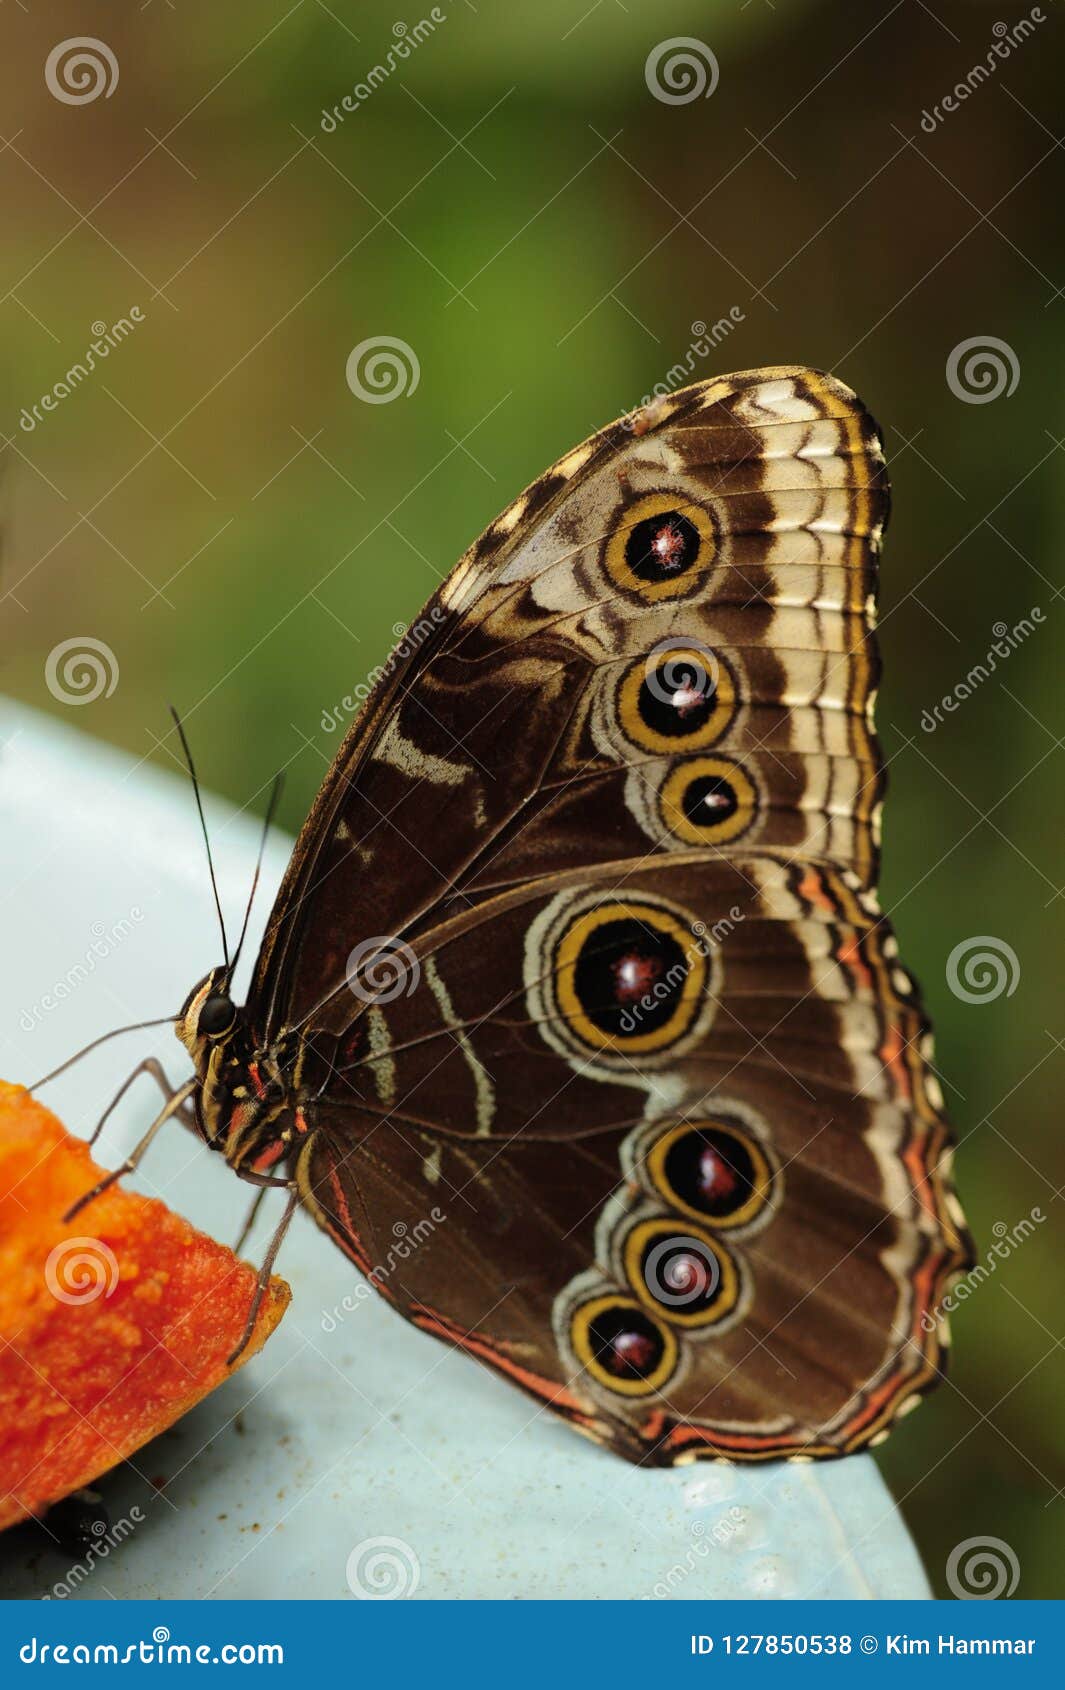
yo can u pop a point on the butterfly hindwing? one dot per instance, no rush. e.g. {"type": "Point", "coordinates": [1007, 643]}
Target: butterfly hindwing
{"type": "Point", "coordinates": [759, 1117]}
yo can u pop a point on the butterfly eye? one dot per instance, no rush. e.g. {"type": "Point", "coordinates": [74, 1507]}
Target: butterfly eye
{"type": "Point", "coordinates": [660, 546]}
{"type": "Point", "coordinates": [688, 1275]}
{"type": "Point", "coordinates": [708, 801]}
{"type": "Point", "coordinates": [217, 1015]}
{"type": "Point", "coordinates": [712, 1171]}
{"type": "Point", "coordinates": [623, 1346]}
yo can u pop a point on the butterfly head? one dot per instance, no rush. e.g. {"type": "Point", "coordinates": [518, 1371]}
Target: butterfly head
{"type": "Point", "coordinates": [208, 1017]}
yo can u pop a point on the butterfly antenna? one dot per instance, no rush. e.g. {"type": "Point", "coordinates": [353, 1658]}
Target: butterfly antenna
{"type": "Point", "coordinates": [203, 824]}
{"type": "Point", "coordinates": [279, 781]}
{"type": "Point", "coordinates": [134, 1027]}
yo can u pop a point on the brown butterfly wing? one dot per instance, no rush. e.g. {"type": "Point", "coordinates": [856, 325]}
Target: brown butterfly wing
{"type": "Point", "coordinates": [630, 766]}
{"type": "Point", "coordinates": [510, 1200]}
{"type": "Point", "coordinates": [504, 739]}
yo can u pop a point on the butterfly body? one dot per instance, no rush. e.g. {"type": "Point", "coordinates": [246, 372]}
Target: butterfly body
{"type": "Point", "coordinates": [579, 951]}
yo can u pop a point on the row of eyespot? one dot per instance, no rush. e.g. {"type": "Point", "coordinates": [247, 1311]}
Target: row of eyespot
{"type": "Point", "coordinates": [677, 1275]}
{"type": "Point", "coordinates": [680, 698]}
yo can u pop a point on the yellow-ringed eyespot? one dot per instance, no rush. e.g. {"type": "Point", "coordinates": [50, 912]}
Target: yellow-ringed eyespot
{"type": "Point", "coordinates": [660, 546]}
{"type": "Point", "coordinates": [707, 800]}
{"type": "Point", "coordinates": [713, 1171]}
{"type": "Point", "coordinates": [622, 1346]}
{"type": "Point", "coordinates": [691, 1278]}
{"type": "Point", "coordinates": [681, 697]}
{"type": "Point", "coordinates": [629, 975]}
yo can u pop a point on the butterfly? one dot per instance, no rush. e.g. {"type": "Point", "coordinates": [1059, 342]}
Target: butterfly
{"type": "Point", "coordinates": [579, 953]}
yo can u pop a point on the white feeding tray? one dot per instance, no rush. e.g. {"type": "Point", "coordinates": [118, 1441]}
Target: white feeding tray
{"type": "Point", "coordinates": [350, 1457]}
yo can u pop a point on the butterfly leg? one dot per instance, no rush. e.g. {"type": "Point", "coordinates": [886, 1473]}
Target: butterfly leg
{"type": "Point", "coordinates": [186, 1114]}
{"type": "Point", "coordinates": [173, 1105]}
{"type": "Point", "coordinates": [264, 1274]}
{"type": "Point", "coordinates": [249, 1220]}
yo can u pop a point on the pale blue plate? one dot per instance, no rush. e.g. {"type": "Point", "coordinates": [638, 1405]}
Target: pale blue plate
{"type": "Point", "coordinates": [352, 1457]}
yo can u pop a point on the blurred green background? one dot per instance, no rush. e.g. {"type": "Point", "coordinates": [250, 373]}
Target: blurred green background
{"type": "Point", "coordinates": [218, 507]}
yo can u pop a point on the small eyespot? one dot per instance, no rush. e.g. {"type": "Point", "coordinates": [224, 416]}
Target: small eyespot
{"type": "Point", "coordinates": [623, 1346]}
{"type": "Point", "coordinates": [660, 546]}
{"type": "Point", "coordinates": [713, 1171]}
{"type": "Point", "coordinates": [708, 801]}
{"type": "Point", "coordinates": [684, 1273]}
{"type": "Point", "coordinates": [677, 699]}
